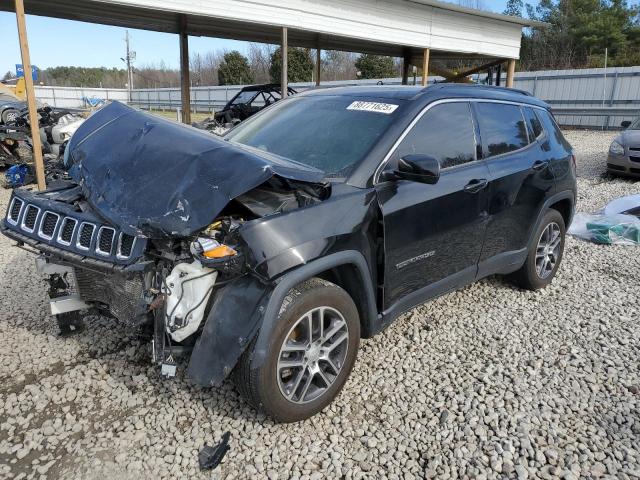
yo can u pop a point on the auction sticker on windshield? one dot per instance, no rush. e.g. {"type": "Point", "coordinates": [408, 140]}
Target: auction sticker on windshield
{"type": "Point", "coordinates": [385, 108]}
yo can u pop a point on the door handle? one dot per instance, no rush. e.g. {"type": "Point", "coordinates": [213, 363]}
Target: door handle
{"type": "Point", "coordinates": [475, 185]}
{"type": "Point", "coordinates": [540, 164]}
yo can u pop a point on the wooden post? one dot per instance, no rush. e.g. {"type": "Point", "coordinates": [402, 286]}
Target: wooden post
{"type": "Point", "coordinates": [284, 74]}
{"type": "Point", "coordinates": [34, 119]}
{"type": "Point", "coordinates": [318, 66]}
{"type": "Point", "coordinates": [425, 66]}
{"type": "Point", "coordinates": [185, 79]}
{"type": "Point", "coordinates": [511, 71]}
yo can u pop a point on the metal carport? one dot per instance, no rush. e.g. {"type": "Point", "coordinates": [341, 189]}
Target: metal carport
{"type": "Point", "coordinates": [416, 30]}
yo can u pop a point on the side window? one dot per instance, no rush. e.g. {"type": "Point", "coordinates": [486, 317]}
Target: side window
{"type": "Point", "coordinates": [445, 132]}
{"type": "Point", "coordinates": [502, 128]}
{"type": "Point", "coordinates": [552, 127]}
{"type": "Point", "coordinates": [533, 123]}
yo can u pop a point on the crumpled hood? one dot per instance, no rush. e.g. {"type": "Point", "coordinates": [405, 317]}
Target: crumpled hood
{"type": "Point", "coordinates": [154, 177]}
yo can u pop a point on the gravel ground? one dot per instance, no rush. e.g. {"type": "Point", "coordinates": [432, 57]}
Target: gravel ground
{"type": "Point", "coordinates": [487, 382]}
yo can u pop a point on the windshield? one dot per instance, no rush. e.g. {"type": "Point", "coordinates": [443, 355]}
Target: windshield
{"type": "Point", "coordinates": [331, 133]}
{"type": "Point", "coordinates": [244, 97]}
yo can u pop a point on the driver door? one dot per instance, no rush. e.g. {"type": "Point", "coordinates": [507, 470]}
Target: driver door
{"type": "Point", "coordinates": [433, 234]}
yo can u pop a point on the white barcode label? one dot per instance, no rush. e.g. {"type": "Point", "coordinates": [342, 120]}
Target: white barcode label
{"type": "Point", "coordinates": [376, 107]}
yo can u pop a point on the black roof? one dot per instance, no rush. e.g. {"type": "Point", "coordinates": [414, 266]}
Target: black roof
{"type": "Point", "coordinates": [261, 87]}
{"type": "Point", "coordinates": [433, 92]}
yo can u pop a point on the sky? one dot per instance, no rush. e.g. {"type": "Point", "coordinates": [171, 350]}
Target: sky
{"type": "Point", "coordinates": [54, 42]}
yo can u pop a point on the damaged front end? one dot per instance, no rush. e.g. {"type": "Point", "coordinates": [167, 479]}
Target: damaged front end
{"type": "Point", "coordinates": [148, 232]}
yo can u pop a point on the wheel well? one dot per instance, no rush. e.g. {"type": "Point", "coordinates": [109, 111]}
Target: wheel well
{"type": "Point", "coordinates": [565, 208]}
{"type": "Point", "coordinates": [349, 278]}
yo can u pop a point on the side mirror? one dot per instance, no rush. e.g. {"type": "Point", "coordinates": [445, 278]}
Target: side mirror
{"type": "Point", "coordinates": [625, 124]}
{"type": "Point", "coordinates": [419, 168]}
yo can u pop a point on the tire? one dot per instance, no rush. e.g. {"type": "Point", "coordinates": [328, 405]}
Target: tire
{"type": "Point", "coordinates": [9, 115]}
{"type": "Point", "coordinates": [290, 394]}
{"type": "Point", "coordinates": [531, 276]}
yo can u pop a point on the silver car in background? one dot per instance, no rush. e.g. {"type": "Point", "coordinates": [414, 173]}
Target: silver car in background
{"type": "Point", "coordinates": [624, 152]}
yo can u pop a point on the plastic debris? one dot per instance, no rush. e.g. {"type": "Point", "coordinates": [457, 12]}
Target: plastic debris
{"type": "Point", "coordinates": [618, 223]}
{"type": "Point", "coordinates": [210, 457]}
{"type": "Point", "coordinates": [18, 175]}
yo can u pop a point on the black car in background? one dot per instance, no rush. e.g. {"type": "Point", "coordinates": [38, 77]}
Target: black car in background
{"type": "Point", "coordinates": [247, 102]}
{"type": "Point", "coordinates": [267, 254]}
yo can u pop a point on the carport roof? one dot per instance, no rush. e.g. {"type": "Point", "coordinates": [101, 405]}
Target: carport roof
{"type": "Point", "coordinates": [385, 27]}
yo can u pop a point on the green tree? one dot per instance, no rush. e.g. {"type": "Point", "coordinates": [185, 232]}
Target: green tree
{"type": "Point", "coordinates": [7, 75]}
{"type": "Point", "coordinates": [234, 69]}
{"type": "Point", "coordinates": [579, 32]}
{"type": "Point", "coordinates": [375, 66]}
{"type": "Point", "coordinates": [299, 65]}
{"type": "Point", "coordinates": [514, 8]}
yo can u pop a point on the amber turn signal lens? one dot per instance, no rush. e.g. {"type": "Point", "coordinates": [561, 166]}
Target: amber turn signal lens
{"type": "Point", "coordinates": [220, 252]}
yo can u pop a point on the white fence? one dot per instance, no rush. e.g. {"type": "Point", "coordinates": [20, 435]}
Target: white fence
{"type": "Point", "coordinates": [74, 97]}
{"type": "Point", "coordinates": [592, 97]}
{"type": "Point", "coordinates": [579, 98]}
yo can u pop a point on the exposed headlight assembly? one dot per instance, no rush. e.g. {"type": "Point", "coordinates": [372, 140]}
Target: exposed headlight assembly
{"type": "Point", "coordinates": [616, 148]}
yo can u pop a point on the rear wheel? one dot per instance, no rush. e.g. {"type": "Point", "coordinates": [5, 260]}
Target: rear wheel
{"type": "Point", "coordinates": [545, 255]}
{"type": "Point", "coordinates": [311, 352]}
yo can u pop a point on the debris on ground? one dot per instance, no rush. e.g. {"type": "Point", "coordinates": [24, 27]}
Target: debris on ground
{"type": "Point", "coordinates": [210, 457]}
{"type": "Point", "coordinates": [616, 224]}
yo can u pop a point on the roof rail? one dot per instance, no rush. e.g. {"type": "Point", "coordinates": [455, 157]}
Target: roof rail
{"type": "Point", "coordinates": [478, 85]}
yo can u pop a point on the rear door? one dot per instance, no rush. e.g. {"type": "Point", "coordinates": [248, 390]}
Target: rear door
{"type": "Point", "coordinates": [513, 146]}
{"type": "Point", "coordinates": [433, 233]}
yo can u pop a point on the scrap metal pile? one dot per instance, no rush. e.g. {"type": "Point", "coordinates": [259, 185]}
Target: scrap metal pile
{"type": "Point", "coordinates": [16, 148]}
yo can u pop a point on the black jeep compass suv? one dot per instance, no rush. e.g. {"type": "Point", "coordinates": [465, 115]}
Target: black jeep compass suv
{"type": "Point", "coordinates": [266, 255]}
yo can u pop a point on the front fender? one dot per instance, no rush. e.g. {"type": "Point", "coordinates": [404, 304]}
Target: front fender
{"type": "Point", "coordinates": [299, 275]}
{"type": "Point", "coordinates": [247, 306]}
{"type": "Point", "coordinates": [233, 321]}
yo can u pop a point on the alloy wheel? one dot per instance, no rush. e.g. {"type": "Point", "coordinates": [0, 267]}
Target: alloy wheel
{"type": "Point", "coordinates": [312, 355]}
{"type": "Point", "coordinates": [548, 250]}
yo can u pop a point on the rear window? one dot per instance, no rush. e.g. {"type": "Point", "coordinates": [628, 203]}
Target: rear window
{"type": "Point", "coordinates": [502, 128]}
{"type": "Point", "coordinates": [331, 133]}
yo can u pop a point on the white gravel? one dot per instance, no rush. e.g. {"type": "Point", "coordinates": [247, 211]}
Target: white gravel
{"type": "Point", "coordinates": [487, 382]}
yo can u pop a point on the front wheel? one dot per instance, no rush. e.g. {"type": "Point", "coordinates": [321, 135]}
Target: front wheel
{"type": "Point", "coordinates": [311, 352]}
{"type": "Point", "coordinates": [545, 255]}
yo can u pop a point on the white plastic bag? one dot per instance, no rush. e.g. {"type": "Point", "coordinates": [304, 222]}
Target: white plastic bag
{"type": "Point", "coordinates": [608, 229]}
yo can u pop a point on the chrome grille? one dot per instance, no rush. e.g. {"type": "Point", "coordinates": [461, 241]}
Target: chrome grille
{"type": "Point", "coordinates": [48, 225]}
{"type": "Point", "coordinates": [81, 235]}
{"type": "Point", "coordinates": [30, 217]}
{"type": "Point", "coordinates": [14, 210]}
{"type": "Point", "coordinates": [66, 230]}
{"type": "Point", "coordinates": [125, 245]}
{"type": "Point", "coordinates": [85, 235]}
{"type": "Point", "coordinates": [105, 240]}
